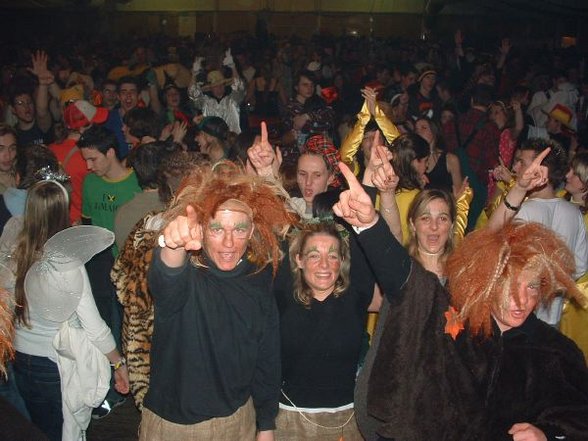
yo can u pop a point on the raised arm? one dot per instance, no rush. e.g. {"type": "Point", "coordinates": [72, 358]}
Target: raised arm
{"type": "Point", "coordinates": [388, 259]}
{"type": "Point", "coordinates": [352, 141]}
{"type": "Point", "coordinates": [46, 80]}
{"type": "Point", "coordinates": [535, 176]}
{"type": "Point", "coordinates": [380, 174]}
{"type": "Point", "coordinates": [261, 157]}
{"type": "Point", "coordinates": [181, 235]}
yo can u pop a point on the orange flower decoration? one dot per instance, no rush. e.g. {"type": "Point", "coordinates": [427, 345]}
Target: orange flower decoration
{"type": "Point", "coordinates": [454, 325]}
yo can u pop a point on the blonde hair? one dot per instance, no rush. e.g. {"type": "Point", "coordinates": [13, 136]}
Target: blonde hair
{"type": "Point", "coordinates": [302, 292]}
{"type": "Point", "coordinates": [416, 210]}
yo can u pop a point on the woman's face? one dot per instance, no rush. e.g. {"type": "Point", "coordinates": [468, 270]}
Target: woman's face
{"type": "Point", "coordinates": [574, 184]}
{"type": "Point", "coordinates": [320, 262]}
{"type": "Point", "coordinates": [498, 116]}
{"type": "Point", "coordinates": [433, 227]}
{"type": "Point", "coordinates": [423, 129]}
{"type": "Point", "coordinates": [515, 315]}
{"type": "Point", "coordinates": [420, 165]}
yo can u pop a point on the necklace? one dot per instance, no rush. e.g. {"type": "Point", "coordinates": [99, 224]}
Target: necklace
{"type": "Point", "coordinates": [438, 253]}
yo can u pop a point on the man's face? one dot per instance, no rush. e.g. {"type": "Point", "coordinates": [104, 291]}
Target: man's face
{"type": "Point", "coordinates": [7, 152]}
{"type": "Point", "coordinates": [128, 96]}
{"type": "Point", "coordinates": [522, 161]}
{"type": "Point", "coordinates": [428, 82]}
{"type": "Point", "coordinates": [226, 238]}
{"type": "Point", "coordinates": [218, 91]}
{"type": "Point", "coordinates": [109, 96]}
{"type": "Point", "coordinates": [515, 314]}
{"type": "Point", "coordinates": [407, 80]}
{"type": "Point", "coordinates": [172, 97]}
{"type": "Point", "coordinates": [24, 108]}
{"type": "Point", "coordinates": [305, 88]}
{"type": "Point", "coordinates": [97, 162]}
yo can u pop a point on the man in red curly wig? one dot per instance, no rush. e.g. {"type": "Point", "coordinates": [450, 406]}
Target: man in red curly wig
{"type": "Point", "coordinates": [215, 357]}
{"type": "Point", "coordinates": [470, 362]}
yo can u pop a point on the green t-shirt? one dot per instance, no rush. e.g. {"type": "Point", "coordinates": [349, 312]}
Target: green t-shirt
{"type": "Point", "coordinates": [101, 198]}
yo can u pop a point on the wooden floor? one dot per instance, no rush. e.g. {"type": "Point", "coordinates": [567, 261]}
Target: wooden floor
{"type": "Point", "coordinates": [120, 425]}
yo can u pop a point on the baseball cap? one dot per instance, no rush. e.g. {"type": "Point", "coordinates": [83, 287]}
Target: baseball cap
{"type": "Point", "coordinates": [81, 113]}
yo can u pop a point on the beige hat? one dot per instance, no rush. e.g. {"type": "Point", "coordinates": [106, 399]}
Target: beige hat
{"type": "Point", "coordinates": [215, 78]}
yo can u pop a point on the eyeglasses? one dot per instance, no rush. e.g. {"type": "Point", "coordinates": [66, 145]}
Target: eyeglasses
{"type": "Point", "coordinates": [23, 103]}
{"type": "Point", "coordinates": [239, 232]}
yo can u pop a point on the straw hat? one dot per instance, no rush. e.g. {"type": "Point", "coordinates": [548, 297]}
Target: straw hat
{"type": "Point", "coordinates": [215, 78]}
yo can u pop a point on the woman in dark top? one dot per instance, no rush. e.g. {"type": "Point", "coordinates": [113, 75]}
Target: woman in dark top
{"type": "Point", "coordinates": [322, 303]}
{"type": "Point", "coordinates": [443, 170]}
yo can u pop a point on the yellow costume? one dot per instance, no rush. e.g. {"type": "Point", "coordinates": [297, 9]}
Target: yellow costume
{"type": "Point", "coordinates": [574, 319]}
{"type": "Point", "coordinates": [352, 141]}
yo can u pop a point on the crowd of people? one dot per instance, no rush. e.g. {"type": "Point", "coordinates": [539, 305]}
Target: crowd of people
{"type": "Point", "coordinates": [324, 239]}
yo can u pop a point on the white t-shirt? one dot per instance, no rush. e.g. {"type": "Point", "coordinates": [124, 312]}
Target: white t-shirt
{"type": "Point", "coordinates": [565, 219]}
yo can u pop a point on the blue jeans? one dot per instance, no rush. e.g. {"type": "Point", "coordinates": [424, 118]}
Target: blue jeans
{"type": "Point", "coordinates": [39, 384]}
{"type": "Point", "coordinates": [9, 391]}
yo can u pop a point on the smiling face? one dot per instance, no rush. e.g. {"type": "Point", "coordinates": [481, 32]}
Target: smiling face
{"type": "Point", "coordinates": [320, 262]}
{"type": "Point", "coordinates": [128, 96]}
{"type": "Point", "coordinates": [312, 176]}
{"type": "Point", "coordinates": [515, 314]}
{"type": "Point", "coordinates": [433, 227]}
{"type": "Point", "coordinates": [226, 238]}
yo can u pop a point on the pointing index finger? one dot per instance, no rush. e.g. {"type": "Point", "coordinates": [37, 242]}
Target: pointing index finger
{"type": "Point", "coordinates": [263, 132]}
{"type": "Point", "coordinates": [541, 156]}
{"type": "Point", "coordinates": [349, 177]}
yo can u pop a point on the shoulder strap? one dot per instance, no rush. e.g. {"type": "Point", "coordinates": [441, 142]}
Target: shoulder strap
{"type": "Point", "coordinates": [73, 150]}
{"type": "Point", "coordinates": [481, 122]}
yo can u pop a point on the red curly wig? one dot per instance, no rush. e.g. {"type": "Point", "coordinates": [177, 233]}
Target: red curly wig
{"type": "Point", "coordinates": [208, 189]}
{"type": "Point", "coordinates": [483, 271]}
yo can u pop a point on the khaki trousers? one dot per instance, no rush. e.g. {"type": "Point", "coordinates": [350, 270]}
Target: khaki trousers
{"type": "Point", "coordinates": [238, 426]}
{"type": "Point", "coordinates": [292, 426]}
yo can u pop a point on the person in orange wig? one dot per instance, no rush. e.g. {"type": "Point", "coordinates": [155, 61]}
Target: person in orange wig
{"type": "Point", "coordinates": [215, 354]}
{"type": "Point", "coordinates": [470, 362]}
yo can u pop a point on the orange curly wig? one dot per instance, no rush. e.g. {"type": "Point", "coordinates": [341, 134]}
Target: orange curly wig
{"type": "Point", "coordinates": [483, 271]}
{"type": "Point", "coordinates": [207, 189]}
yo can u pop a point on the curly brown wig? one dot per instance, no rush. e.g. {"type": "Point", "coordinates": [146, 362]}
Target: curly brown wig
{"type": "Point", "coordinates": [483, 271]}
{"type": "Point", "coordinates": [206, 190]}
